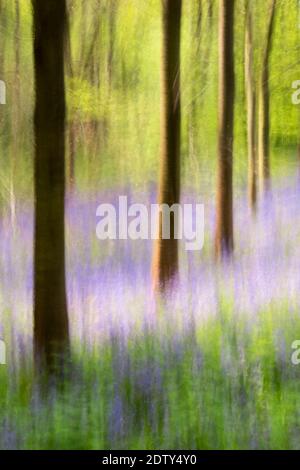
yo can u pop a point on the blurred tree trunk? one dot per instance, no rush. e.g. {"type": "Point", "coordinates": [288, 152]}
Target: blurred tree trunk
{"type": "Point", "coordinates": [16, 128]}
{"type": "Point", "coordinates": [71, 124]}
{"type": "Point", "coordinates": [165, 257]}
{"type": "Point", "coordinates": [207, 51]}
{"type": "Point", "coordinates": [91, 61]}
{"type": "Point", "coordinates": [203, 30]}
{"type": "Point", "coordinates": [111, 44]}
{"type": "Point", "coordinates": [3, 37]}
{"type": "Point", "coordinates": [224, 222]}
{"type": "Point", "coordinates": [3, 22]}
{"type": "Point", "coordinates": [195, 37]}
{"type": "Point", "coordinates": [17, 53]}
{"type": "Point", "coordinates": [51, 331]}
{"type": "Point", "coordinates": [264, 108]}
{"type": "Point", "coordinates": [251, 109]}
{"type": "Point", "coordinates": [72, 154]}
{"type": "Point", "coordinates": [91, 72]}
{"type": "Point", "coordinates": [83, 32]}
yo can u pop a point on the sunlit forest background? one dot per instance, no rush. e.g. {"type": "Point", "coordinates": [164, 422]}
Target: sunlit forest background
{"type": "Point", "coordinates": [208, 367]}
{"type": "Point", "coordinates": [113, 91]}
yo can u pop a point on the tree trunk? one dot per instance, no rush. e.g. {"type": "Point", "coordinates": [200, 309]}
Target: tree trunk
{"type": "Point", "coordinates": [111, 43]}
{"type": "Point", "coordinates": [224, 222]}
{"type": "Point", "coordinates": [16, 128]}
{"type": "Point", "coordinates": [17, 50]}
{"type": "Point", "coordinates": [251, 110]}
{"type": "Point", "coordinates": [3, 24]}
{"type": "Point", "coordinates": [165, 257]}
{"type": "Point", "coordinates": [70, 173]}
{"type": "Point", "coordinates": [51, 331]}
{"type": "Point", "coordinates": [195, 37]}
{"type": "Point", "coordinates": [72, 153]}
{"type": "Point", "coordinates": [91, 70]}
{"type": "Point", "coordinates": [264, 109]}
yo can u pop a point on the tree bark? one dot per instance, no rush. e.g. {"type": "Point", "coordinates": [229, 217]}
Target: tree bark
{"type": "Point", "coordinates": [251, 111]}
{"type": "Point", "coordinates": [224, 221]}
{"type": "Point", "coordinates": [51, 331]}
{"type": "Point", "coordinates": [165, 257]}
{"type": "Point", "coordinates": [264, 109]}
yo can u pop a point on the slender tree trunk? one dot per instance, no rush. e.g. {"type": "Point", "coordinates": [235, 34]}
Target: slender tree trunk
{"type": "Point", "coordinates": [224, 222]}
{"type": "Point", "coordinates": [199, 25]}
{"type": "Point", "coordinates": [72, 153]}
{"type": "Point", "coordinates": [204, 29]}
{"type": "Point", "coordinates": [2, 37]}
{"type": "Point", "coordinates": [83, 34]}
{"type": "Point", "coordinates": [71, 125]}
{"type": "Point", "coordinates": [51, 331]}
{"type": "Point", "coordinates": [3, 22]}
{"type": "Point", "coordinates": [207, 51]}
{"type": "Point", "coordinates": [264, 109]}
{"type": "Point", "coordinates": [15, 130]}
{"type": "Point", "coordinates": [88, 70]}
{"type": "Point", "coordinates": [165, 258]}
{"type": "Point", "coordinates": [195, 37]}
{"type": "Point", "coordinates": [251, 111]}
{"type": "Point", "coordinates": [91, 72]}
{"type": "Point", "coordinates": [17, 49]}
{"type": "Point", "coordinates": [111, 44]}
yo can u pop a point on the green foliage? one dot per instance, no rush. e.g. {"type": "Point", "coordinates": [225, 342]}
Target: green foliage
{"type": "Point", "coordinates": [115, 55]}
